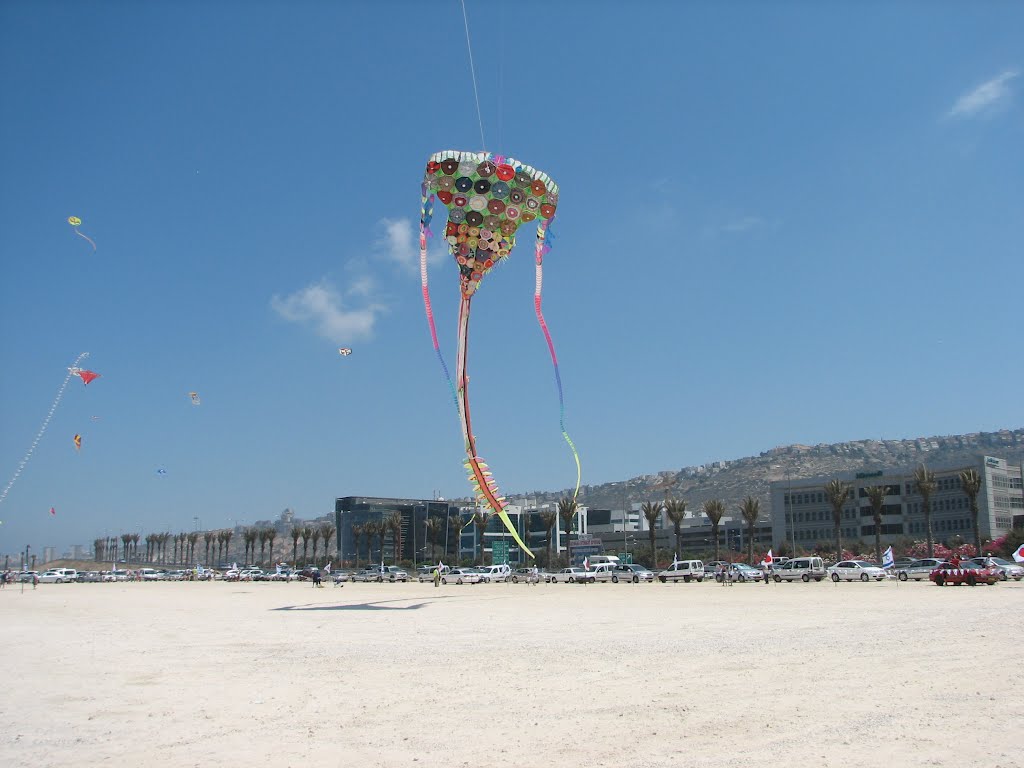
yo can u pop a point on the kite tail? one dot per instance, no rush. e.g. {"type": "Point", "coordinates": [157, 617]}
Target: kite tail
{"type": "Point", "coordinates": [426, 214]}
{"type": "Point", "coordinates": [484, 486]}
{"type": "Point", "coordinates": [86, 238]}
{"type": "Point", "coordinates": [541, 249]}
{"type": "Point", "coordinates": [42, 429]}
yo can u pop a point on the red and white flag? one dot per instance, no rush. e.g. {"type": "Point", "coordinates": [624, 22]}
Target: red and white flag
{"type": "Point", "coordinates": [1018, 556]}
{"type": "Point", "coordinates": [586, 563]}
{"type": "Point", "coordinates": [768, 558]}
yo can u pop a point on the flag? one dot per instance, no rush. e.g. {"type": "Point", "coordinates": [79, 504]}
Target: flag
{"type": "Point", "coordinates": [1018, 556]}
{"type": "Point", "coordinates": [278, 569]}
{"type": "Point", "coordinates": [675, 561]}
{"type": "Point", "coordinates": [768, 558]}
{"type": "Point", "coordinates": [586, 563]}
{"type": "Point", "coordinates": [327, 569]}
{"type": "Point", "coordinates": [888, 561]}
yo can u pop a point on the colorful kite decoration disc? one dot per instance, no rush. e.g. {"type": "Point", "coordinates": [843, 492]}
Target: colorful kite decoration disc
{"type": "Point", "coordinates": [488, 197]}
{"type": "Point", "coordinates": [344, 351]}
{"type": "Point", "coordinates": [195, 398]}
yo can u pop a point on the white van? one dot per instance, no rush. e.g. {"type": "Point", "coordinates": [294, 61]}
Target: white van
{"type": "Point", "coordinates": [594, 560]}
{"type": "Point", "coordinates": [491, 573]}
{"type": "Point", "coordinates": [683, 570]}
{"type": "Point", "coordinates": [802, 568]}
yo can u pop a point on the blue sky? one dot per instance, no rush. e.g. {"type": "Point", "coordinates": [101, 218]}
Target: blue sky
{"type": "Point", "coordinates": [778, 223]}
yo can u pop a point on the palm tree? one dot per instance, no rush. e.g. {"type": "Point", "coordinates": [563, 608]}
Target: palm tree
{"type": "Point", "coordinates": [357, 533]}
{"type": "Point", "coordinates": [750, 509]}
{"type": "Point", "coordinates": [208, 539]}
{"type": "Point", "coordinates": [924, 479]}
{"type": "Point", "coordinates": [455, 534]}
{"type": "Point", "coordinates": [480, 520]}
{"type": "Point", "coordinates": [433, 532]}
{"type": "Point", "coordinates": [836, 494]}
{"type": "Point", "coordinates": [327, 533]}
{"type": "Point", "coordinates": [394, 524]}
{"type": "Point", "coordinates": [652, 513]}
{"type": "Point", "coordinates": [126, 538]}
{"type": "Point", "coordinates": [249, 537]}
{"type": "Point", "coordinates": [567, 512]}
{"type": "Point", "coordinates": [295, 532]}
{"type": "Point", "coordinates": [676, 511]}
{"type": "Point", "coordinates": [262, 536]}
{"type": "Point", "coordinates": [135, 544]}
{"type": "Point", "coordinates": [271, 535]}
{"type": "Point", "coordinates": [714, 510]}
{"type": "Point", "coordinates": [307, 534]}
{"type": "Point", "coordinates": [315, 531]}
{"type": "Point", "coordinates": [876, 495]}
{"type": "Point", "coordinates": [548, 517]}
{"type": "Point", "coordinates": [970, 483]}
{"type": "Point", "coordinates": [228, 533]}
{"type": "Point", "coordinates": [97, 549]}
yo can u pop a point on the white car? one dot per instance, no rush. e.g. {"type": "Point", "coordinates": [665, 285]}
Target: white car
{"type": "Point", "coordinates": [639, 572]}
{"type": "Point", "coordinates": [856, 570]}
{"type": "Point", "coordinates": [462, 576]}
{"type": "Point", "coordinates": [570, 576]}
{"type": "Point", "coordinates": [802, 568]}
{"type": "Point", "coordinates": [55, 576]}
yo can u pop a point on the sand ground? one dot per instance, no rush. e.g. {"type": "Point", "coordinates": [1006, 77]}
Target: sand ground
{"type": "Point", "coordinates": [630, 676]}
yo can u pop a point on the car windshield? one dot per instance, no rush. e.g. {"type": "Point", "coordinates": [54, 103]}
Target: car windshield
{"type": "Point", "coordinates": [1001, 561]}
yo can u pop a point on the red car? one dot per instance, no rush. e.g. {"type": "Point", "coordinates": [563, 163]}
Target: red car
{"type": "Point", "coordinates": [948, 573]}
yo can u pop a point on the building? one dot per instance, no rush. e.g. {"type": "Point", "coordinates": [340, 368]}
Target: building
{"type": "Point", "coordinates": [49, 554]}
{"type": "Point", "coordinates": [455, 534]}
{"type": "Point", "coordinates": [801, 514]}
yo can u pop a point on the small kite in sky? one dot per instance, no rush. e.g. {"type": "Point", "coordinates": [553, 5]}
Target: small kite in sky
{"type": "Point", "coordinates": [344, 351]}
{"type": "Point", "coordinates": [53, 512]}
{"type": "Point", "coordinates": [76, 222]}
{"type": "Point", "coordinates": [74, 370]}
{"type": "Point", "coordinates": [161, 471]}
{"type": "Point", "coordinates": [195, 398]}
{"type": "Point", "coordinates": [78, 442]}
{"type": "Point", "coordinates": [84, 375]}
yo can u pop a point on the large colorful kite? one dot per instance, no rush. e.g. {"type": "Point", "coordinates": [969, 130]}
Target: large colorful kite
{"type": "Point", "coordinates": [488, 197]}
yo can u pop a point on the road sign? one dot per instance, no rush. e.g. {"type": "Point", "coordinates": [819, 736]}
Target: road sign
{"type": "Point", "coordinates": [499, 553]}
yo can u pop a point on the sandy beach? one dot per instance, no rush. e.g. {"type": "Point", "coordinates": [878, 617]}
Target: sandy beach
{"type": "Point", "coordinates": [230, 674]}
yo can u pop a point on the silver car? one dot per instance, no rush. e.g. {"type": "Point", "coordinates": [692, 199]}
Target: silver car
{"type": "Point", "coordinates": [570, 575]}
{"type": "Point", "coordinates": [1007, 570]}
{"type": "Point", "coordinates": [919, 569]}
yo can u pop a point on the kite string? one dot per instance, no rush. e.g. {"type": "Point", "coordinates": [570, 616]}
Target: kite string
{"type": "Point", "coordinates": [42, 429]}
{"type": "Point", "coordinates": [77, 232]}
{"type": "Point", "coordinates": [425, 215]}
{"type": "Point", "coordinates": [472, 71]}
{"type": "Point", "coordinates": [541, 249]}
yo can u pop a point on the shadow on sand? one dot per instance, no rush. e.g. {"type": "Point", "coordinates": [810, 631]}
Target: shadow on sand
{"type": "Point", "coordinates": [377, 605]}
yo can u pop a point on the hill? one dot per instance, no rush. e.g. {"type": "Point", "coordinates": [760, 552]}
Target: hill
{"type": "Point", "coordinates": [732, 480]}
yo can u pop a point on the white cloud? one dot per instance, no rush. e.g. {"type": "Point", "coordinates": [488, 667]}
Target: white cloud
{"type": "Point", "coordinates": [398, 243]}
{"type": "Point", "coordinates": [321, 307]}
{"type": "Point", "coordinates": [985, 98]}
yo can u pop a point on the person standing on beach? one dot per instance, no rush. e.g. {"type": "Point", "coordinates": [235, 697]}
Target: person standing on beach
{"type": "Point", "coordinates": [437, 577]}
{"type": "Point", "coordinates": [316, 578]}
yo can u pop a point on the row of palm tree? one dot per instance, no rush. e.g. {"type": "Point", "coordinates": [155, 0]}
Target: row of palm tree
{"type": "Point", "coordinates": [392, 524]}
{"type": "Point", "coordinates": [837, 493]}
{"type": "Point", "coordinates": [310, 533]}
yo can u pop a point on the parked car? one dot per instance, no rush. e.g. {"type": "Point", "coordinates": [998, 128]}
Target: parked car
{"type": "Point", "coordinates": [947, 573]}
{"type": "Point", "coordinates": [640, 572]}
{"type": "Point", "coordinates": [27, 577]}
{"type": "Point", "coordinates": [52, 577]}
{"type": "Point", "coordinates": [367, 574]}
{"type": "Point", "coordinates": [800, 568]}
{"type": "Point", "coordinates": [494, 573]}
{"type": "Point", "coordinates": [88, 577]}
{"type": "Point", "coordinates": [570, 575]}
{"type": "Point", "coordinates": [746, 572]}
{"type": "Point", "coordinates": [918, 569]}
{"type": "Point", "coordinates": [1007, 570]}
{"type": "Point", "coordinates": [462, 576]}
{"type": "Point", "coordinates": [856, 570]}
{"type": "Point", "coordinates": [683, 570]}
